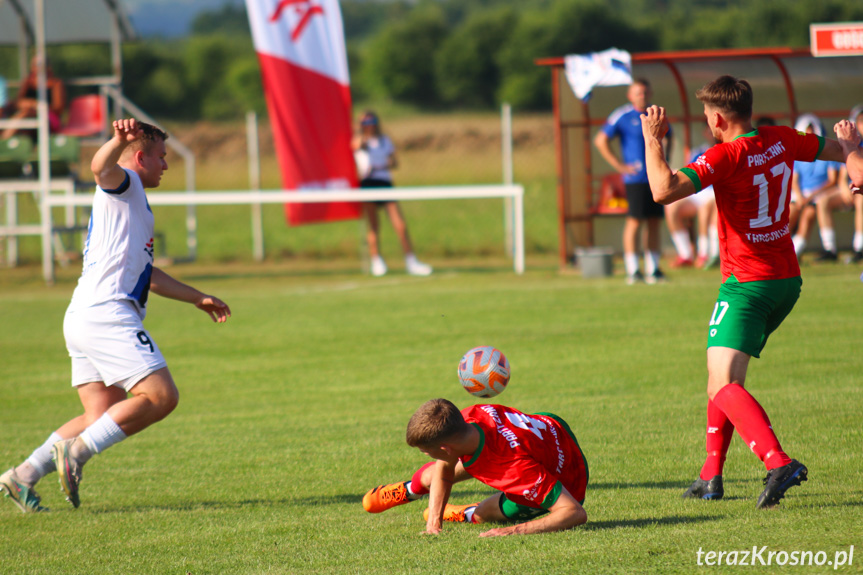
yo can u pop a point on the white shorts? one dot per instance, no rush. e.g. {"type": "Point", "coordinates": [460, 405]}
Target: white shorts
{"type": "Point", "coordinates": [704, 196]}
{"type": "Point", "coordinates": [807, 194]}
{"type": "Point", "coordinates": [108, 343]}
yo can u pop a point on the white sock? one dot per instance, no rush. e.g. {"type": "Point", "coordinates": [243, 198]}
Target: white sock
{"type": "Point", "coordinates": [828, 239]}
{"type": "Point", "coordinates": [703, 246]}
{"type": "Point", "coordinates": [857, 243]}
{"type": "Point", "coordinates": [411, 495]}
{"type": "Point", "coordinates": [799, 244]}
{"type": "Point", "coordinates": [681, 242]}
{"type": "Point", "coordinates": [714, 241]}
{"type": "Point", "coordinates": [651, 262]}
{"type": "Point", "coordinates": [410, 259]}
{"type": "Point", "coordinates": [468, 514]}
{"type": "Point", "coordinates": [41, 460]}
{"type": "Point", "coordinates": [630, 261]}
{"type": "Point", "coordinates": [102, 434]}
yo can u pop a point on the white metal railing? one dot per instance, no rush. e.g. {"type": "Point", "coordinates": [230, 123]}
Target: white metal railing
{"type": "Point", "coordinates": [513, 192]}
{"type": "Point", "coordinates": [12, 228]}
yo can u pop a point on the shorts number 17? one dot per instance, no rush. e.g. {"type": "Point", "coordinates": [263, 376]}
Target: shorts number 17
{"type": "Point", "coordinates": [719, 312]}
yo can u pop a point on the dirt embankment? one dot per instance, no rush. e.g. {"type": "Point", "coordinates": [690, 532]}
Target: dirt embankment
{"type": "Point", "coordinates": [210, 141]}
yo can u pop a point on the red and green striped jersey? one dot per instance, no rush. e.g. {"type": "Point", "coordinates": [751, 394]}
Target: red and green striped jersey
{"type": "Point", "coordinates": [751, 176]}
{"type": "Point", "coordinates": [528, 457]}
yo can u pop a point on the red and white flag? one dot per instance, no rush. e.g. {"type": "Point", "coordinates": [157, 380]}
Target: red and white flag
{"type": "Point", "coordinates": [304, 65]}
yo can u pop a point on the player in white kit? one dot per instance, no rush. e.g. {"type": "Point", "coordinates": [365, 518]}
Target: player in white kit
{"type": "Point", "coordinates": [121, 377]}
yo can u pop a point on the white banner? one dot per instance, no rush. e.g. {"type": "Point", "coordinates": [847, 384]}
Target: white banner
{"type": "Point", "coordinates": [304, 65]}
{"type": "Point", "coordinates": [611, 67]}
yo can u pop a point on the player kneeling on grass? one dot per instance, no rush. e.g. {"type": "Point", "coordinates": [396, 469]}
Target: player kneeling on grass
{"type": "Point", "coordinates": [121, 377]}
{"type": "Point", "coordinates": [534, 461]}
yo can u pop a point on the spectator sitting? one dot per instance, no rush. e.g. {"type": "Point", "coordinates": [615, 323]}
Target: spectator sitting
{"type": "Point", "coordinates": [681, 213]}
{"type": "Point", "coordinates": [842, 198]}
{"type": "Point", "coordinates": [25, 104]}
{"type": "Point", "coordinates": [810, 182]}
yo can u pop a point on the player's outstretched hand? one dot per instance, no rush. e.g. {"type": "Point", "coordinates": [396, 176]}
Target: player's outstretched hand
{"type": "Point", "coordinates": [847, 132]}
{"type": "Point", "coordinates": [654, 124]}
{"type": "Point", "coordinates": [215, 308]}
{"type": "Point", "coordinates": [849, 138]}
{"type": "Point", "coordinates": [126, 130]}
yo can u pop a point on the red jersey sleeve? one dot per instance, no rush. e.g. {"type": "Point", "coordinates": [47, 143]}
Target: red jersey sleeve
{"type": "Point", "coordinates": [707, 168]}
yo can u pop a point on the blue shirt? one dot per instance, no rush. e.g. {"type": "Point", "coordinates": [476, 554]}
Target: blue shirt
{"type": "Point", "coordinates": [813, 175]}
{"type": "Point", "coordinates": [625, 123]}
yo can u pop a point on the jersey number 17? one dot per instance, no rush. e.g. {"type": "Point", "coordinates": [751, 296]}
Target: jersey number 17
{"type": "Point", "coordinates": [761, 181]}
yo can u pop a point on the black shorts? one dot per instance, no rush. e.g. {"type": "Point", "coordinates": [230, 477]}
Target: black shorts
{"type": "Point", "coordinates": [375, 183]}
{"type": "Point", "coordinates": [641, 204]}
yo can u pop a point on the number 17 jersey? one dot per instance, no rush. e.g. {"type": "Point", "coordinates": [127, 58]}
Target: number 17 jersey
{"type": "Point", "coordinates": [751, 177]}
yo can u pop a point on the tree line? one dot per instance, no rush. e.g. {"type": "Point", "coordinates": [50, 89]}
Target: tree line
{"type": "Point", "coordinates": [441, 54]}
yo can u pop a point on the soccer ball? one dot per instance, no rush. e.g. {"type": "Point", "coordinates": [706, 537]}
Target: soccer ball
{"type": "Point", "coordinates": [484, 371]}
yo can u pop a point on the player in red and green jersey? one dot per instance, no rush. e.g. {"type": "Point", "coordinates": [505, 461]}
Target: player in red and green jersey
{"type": "Point", "coordinates": [533, 460]}
{"type": "Point", "coordinates": [750, 171]}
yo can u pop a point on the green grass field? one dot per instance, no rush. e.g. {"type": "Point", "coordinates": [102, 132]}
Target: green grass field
{"type": "Point", "coordinates": [298, 405]}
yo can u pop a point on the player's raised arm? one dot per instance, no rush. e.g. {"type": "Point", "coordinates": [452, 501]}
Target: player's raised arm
{"type": "Point", "coordinates": [443, 475]}
{"type": "Point", "coordinates": [667, 186]}
{"type": "Point", "coordinates": [166, 286]}
{"type": "Point", "coordinates": [564, 514]}
{"type": "Point", "coordinates": [108, 174]}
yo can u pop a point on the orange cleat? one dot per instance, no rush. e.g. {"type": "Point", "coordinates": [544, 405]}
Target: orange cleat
{"type": "Point", "coordinates": [385, 497]}
{"type": "Point", "coordinates": [454, 513]}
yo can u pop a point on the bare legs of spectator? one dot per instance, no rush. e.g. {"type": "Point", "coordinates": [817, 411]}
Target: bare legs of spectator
{"type": "Point", "coordinates": [651, 255]}
{"type": "Point", "coordinates": [708, 236]}
{"type": "Point", "coordinates": [802, 217]}
{"type": "Point", "coordinates": [825, 207]}
{"type": "Point", "coordinates": [378, 266]}
{"type": "Point", "coordinates": [678, 216]}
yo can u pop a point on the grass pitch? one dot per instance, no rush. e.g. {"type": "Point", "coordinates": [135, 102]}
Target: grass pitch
{"type": "Point", "coordinates": [298, 405]}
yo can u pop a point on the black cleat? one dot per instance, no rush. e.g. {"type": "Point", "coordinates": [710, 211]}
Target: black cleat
{"type": "Point", "coordinates": [856, 258]}
{"type": "Point", "coordinates": [636, 278]}
{"type": "Point", "coordinates": [827, 256]}
{"type": "Point", "coordinates": [701, 489]}
{"type": "Point", "coordinates": [657, 277]}
{"type": "Point", "coordinates": [780, 480]}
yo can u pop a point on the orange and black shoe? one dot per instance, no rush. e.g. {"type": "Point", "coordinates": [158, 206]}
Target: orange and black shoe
{"type": "Point", "coordinates": [385, 497]}
{"type": "Point", "coordinates": [454, 513]}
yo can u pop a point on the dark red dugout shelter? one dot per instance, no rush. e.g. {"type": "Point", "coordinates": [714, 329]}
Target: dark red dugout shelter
{"type": "Point", "coordinates": [787, 82]}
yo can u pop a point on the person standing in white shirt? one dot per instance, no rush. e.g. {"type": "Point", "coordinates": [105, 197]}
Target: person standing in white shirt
{"type": "Point", "coordinates": [122, 379]}
{"type": "Point", "coordinates": [382, 158]}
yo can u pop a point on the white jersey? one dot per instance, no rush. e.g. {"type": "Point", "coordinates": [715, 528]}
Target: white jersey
{"type": "Point", "coordinates": [379, 149]}
{"type": "Point", "coordinates": [118, 253]}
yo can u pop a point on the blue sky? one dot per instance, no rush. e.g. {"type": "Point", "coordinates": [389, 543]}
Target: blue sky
{"type": "Point", "coordinates": [168, 17]}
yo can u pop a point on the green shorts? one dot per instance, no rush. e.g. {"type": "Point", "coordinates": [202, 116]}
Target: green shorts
{"type": "Point", "coordinates": [518, 512]}
{"type": "Point", "coordinates": [747, 313]}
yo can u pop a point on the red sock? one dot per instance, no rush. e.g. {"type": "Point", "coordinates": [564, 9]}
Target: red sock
{"type": "Point", "coordinates": [417, 487]}
{"type": "Point", "coordinates": [720, 430]}
{"type": "Point", "coordinates": [752, 424]}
